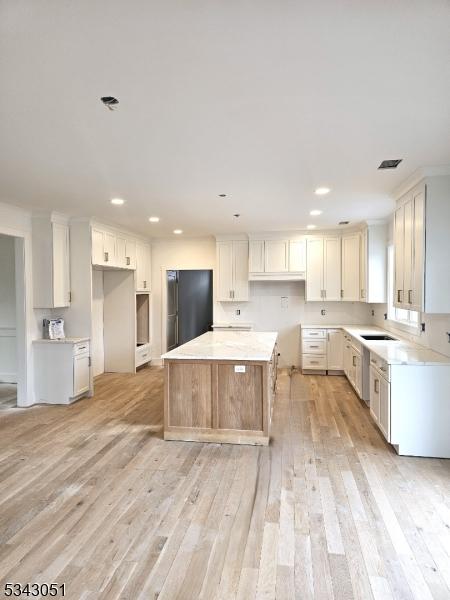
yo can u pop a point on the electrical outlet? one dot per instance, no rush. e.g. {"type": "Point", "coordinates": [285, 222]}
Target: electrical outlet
{"type": "Point", "coordinates": [323, 312]}
{"type": "Point", "coordinates": [373, 313]}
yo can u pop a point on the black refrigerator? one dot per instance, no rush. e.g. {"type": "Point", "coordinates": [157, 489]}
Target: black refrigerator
{"type": "Point", "coordinates": [189, 305]}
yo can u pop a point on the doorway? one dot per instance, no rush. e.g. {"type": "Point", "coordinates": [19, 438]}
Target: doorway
{"type": "Point", "coordinates": [8, 323]}
{"type": "Point", "coordinates": [189, 305]}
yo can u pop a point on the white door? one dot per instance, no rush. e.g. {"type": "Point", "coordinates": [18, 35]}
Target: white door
{"type": "Point", "coordinates": [332, 268]}
{"type": "Point", "coordinates": [385, 408]}
{"type": "Point", "coordinates": [61, 265]}
{"type": "Point", "coordinates": [121, 252]}
{"type": "Point", "coordinates": [109, 248]}
{"type": "Point", "coordinates": [314, 269]}
{"type": "Point", "coordinates": [275, 256]}
{"type": "Point", "coordinates": [297, 256]}
{"type": "Point", "coordinates": [408, 254]}
{"type": "Point", "coordinates": [240, 271]}
{"type": "Point", "coordinates": [419, 238]}
{"type": "Point", "coordinates": [224, 271]}
{"type": "Point", "coordinates": [335, 350]}
{"type": "Point", "coordinates": [363, 254]}
{"type": "Point", "coordinates": [350, 267]}
{"type": "Point", "coordinates": [98, 257]}
{"type": "Point", "coordinates": [399, 226]}
{"type": "Point", "coordinates": [80, 374]}
{"type": "Point", "coordinates": [256, 256]}
{"type": "Point", "coordinates": [374, 395]}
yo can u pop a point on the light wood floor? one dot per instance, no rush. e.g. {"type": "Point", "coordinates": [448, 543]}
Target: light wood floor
{"type": "Point", "coordinates": [92, 496]}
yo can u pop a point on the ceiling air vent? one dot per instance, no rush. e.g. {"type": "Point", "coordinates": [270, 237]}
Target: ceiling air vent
{"type": "Point", "coordinates": [344, 222]}
{"type": "Point", "coordinates": [390, 164]}
{"type": "Point", "coordinates": [110, 102]}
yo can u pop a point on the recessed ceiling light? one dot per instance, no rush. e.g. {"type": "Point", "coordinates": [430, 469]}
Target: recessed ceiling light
{"type": "Point", "coordinates": [321, 191]}
{"type": "Point", "coordinates": [310, 226]}
{"type": "Point", "coordinates": [154, 219]}
{"type": "Point", "coordinates": [177, 231]}
{"type": "Point", "coordinates": [117, 201]}
{"type": "Point", "coordinates": [315, 213]}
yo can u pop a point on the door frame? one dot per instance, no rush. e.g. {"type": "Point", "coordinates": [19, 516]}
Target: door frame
{"type": "Point", "coordinates": [164, 270]}
{"type": "Point", "coordinates": [24, 394]}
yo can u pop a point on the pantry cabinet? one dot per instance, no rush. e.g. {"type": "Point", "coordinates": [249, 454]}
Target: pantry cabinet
{"type": "Point", "coordinates": [350, 267]}
{"type": "Point", "coordinates": [232, 270]}
{"type": "Point", "coordinates": [51, 261]}
{"type": "Point", "coordinates": [323, 269]}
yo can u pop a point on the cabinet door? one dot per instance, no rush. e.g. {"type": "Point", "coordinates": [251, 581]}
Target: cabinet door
{"type": "Point", "coordinates": [314, 269]}
{"type": "Point", "coordinates": [374, 395]}
{"type": "Point", "coordinates": [80, 374]}
{"type": "Point", "coordinates": [332, 268]}
{"type": "Point", "coordinates": [358, 373]}
{"type": "Point", "coordinates": [399, 227]}
{"type": "Point", "coordinates": [61, 265]}
{"type": "Point", "coordinates": [98, 258]}
{"type": "Point", "coordinates": [297, 256]}
{"type": "Point", "coordinates": [335, 350]}
{"type": "Point", "coordinates": [121, 252]}
{"type": "Point", "coordinates": [240, 271]}
{"type": "Point", "coordinates": [347, 357]}
{"type": "Point", "coordinates": [416, 299]}
{"type": "Point", "coordinates": [256, 256]}
{"type": "Point", "coordinates": [143, 267]}
{"type": "Point", "coordinates": [224, 252]}
{"type": "Point", "coordinates": [109, 249]}
{"type": "Point", "coordinates": [363, 267]}
{"type": "Point", "coordinates": [408, 253]}
{"type": "Point", "coordinates": [130, 255]}
{"type": "Point", "coordinates": [275, 256]}
{"type": "Point", "coordinates": [350, 267]}
{"type": "Point", "coordinates": [384, 421]}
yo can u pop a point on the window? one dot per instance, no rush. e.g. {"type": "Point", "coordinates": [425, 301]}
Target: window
{"type": "Point", "coordinates": [408, 318]}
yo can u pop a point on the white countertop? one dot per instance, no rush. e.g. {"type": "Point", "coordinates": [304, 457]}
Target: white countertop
{"type": "Point", "coordinates": [227, 345]}
{"type": "Point", "coordinates": [399, 352]}
{"type": "Point", "coordinates": [66, 340]}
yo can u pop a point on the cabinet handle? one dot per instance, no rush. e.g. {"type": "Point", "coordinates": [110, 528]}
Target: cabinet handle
{"type": "Point", "coordinates": [354, 361]}
{"type": "Point", "coordinates": [311, 346]}
{"type": "Point", "coordinates": [106, 256]}
{"type": "Point", "coordinates": [399, 295]}
{"type": "Point", "coordinates": [410, 296]}
{"type": "Point", "coordinates": [128, 260]}
{"type": "Point", "coordinates": [231, 294]}
{"type": "Point", "coordinates": [363, 293]}
{"type": "Point", "coordinates": [328, 337]}
{"type": "Point", "coordinates": [376, 385]}
{"type": "Point", "coordinates": [314, 362]}
{"type": "Point", "coordinates": [145, 284]}
{"type": "Point", "coordinates": [342, 293]}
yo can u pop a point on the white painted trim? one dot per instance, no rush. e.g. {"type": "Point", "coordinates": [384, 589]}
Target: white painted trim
{"type": "Point", "coordinates": [8, 377]}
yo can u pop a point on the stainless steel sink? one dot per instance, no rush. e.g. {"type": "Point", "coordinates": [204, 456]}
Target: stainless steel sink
{"type": "Point", "coordinates": [379, 337]}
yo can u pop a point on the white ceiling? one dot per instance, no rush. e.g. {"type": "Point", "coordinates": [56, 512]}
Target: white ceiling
{"type": "Point", "coordinates": [261, 100]}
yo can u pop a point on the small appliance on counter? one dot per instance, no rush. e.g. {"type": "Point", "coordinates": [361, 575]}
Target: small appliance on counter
{"type": "Point", "coordinates": [53, 329]}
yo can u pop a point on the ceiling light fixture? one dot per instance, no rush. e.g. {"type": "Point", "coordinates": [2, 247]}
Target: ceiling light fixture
{"type": "Point", "coordinates": [153, 219]}
{"type": "Point", "coordinates": [177, 231]}
{"type": "Point", "coordinates": [110, 102]}
{"type": "Point", "coordinates": [117, 201]}
{"type": "Point", "coordinates": [321, 191]}
{"type": "Point", "coordinates": [310, 226]}
{"type": "Point", "coordinates": [315, 212]}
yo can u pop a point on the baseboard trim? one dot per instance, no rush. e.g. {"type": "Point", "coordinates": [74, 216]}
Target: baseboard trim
{"type": "Point", "coordinates": [8, 377]}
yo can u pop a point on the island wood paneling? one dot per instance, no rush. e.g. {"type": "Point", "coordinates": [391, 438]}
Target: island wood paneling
{"type": "Point", "coordinates": [240, 397]}
{"type": "Point", "coordinates": [190, 398]}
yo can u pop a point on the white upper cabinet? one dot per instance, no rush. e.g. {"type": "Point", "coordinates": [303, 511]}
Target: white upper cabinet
{"type": "Point", "coordinates": [351, 289]}
{"type": "Point", "coordinates": [276, 256]}
{"type": "Point", "coordinates": [232, 270]}
{"type": "Point", "coordinates": [125, 253]}
{"type": "Point", "coordinates": [103, 248]}
{"type": "Point", "coordinates": [314, 269]}
{"type": "Point", "coordinates": [256, 256]}
{"type": "Point", "coordinates": [332, 268]}
{"type": "Point", "coordinates": [51, 261]}
{"type": "Point", "coordinates": [119, 251]}
{"type": "Point", "coordinates": [143, 267]}
{"type": "Point", "coordinates": [422, 246]}
{"type": "Point", "coordinates": [373, 263]}
{"type": "Point", "coordinates": [297, 256]}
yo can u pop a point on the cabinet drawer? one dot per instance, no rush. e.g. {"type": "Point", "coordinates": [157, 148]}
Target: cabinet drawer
{"type": "Point", "coordinates": [380, 365]}
{"type": "Point", "coordinates": [311, 361]}
{"type": "Point", "coordinates": [143, 354]}
{"type": "Point", "coordinates": [313, 334]}
{"type": "Point", "coordinates": [314, 346]}
{"type": "Point", "coordinates": [81, 348]}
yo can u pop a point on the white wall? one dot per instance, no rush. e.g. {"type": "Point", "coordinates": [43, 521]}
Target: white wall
{"type": "Point", "coordinates": [8, 358]}
{"type": "Point", "coordinates": [264, 309]}
{"type": "Point", "coordinates": [97, 346]}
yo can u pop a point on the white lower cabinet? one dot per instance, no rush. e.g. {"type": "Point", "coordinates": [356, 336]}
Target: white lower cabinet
{"type": "Point", "coordinates": [62, 370]}
{"type": "Point", "coordinates": [380, 401]}
{"type": "Point", "coordinates": [335, 350]}
{"type": "Point", "coordinates": [143, 354]}
{"type": "Point", "coordinates": [322, 350]}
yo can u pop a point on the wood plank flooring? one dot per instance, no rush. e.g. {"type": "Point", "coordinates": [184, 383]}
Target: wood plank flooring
{"type": "Point", "coordinates": [91, 495]}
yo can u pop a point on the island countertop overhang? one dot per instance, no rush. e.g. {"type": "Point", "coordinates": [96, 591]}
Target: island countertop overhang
{"type": "Point", "coordinates": [227, 345]}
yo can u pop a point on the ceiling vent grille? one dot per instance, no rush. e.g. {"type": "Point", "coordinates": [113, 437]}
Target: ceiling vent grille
{"type": "Point", "coordinates": [390, 164]}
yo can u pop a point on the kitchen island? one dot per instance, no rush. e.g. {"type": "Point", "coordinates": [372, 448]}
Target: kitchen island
{"type": "Point", "coordinates": [219, 388]}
